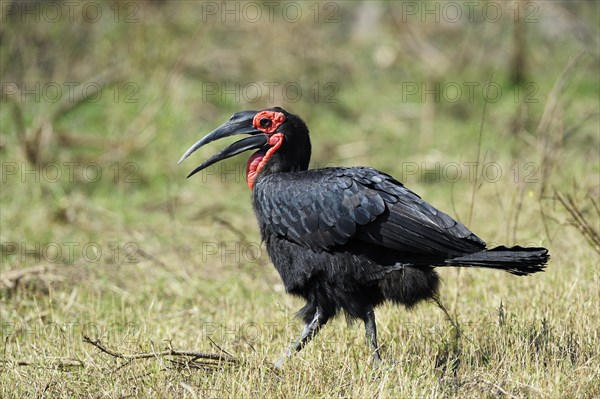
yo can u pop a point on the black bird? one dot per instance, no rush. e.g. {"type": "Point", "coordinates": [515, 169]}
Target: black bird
{"type": "Point", "coordinates": [348, 238]}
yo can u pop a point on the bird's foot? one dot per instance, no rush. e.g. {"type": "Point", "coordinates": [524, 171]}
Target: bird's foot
{"type": "Point", "coordinates": [279, 362]}
{"type": "Point", "coordinates": [377, 359]}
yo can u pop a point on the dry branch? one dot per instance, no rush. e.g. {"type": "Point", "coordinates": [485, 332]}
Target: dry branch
{"type": "Point", "coordinates": [54, 363]}
{"type": "Point", "coordinates": [192, 356]}
{"type": "Point", "coordinates": [11, 278]}
{"type": "Point", "coordinates": [591, 234]}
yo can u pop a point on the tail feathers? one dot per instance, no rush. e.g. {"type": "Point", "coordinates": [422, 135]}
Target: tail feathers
{"type": "Point", "coordinates": [516, 260]}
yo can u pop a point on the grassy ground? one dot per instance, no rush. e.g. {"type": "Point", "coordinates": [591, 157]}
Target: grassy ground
{"type": "Point", "coordinates": [103, 237]}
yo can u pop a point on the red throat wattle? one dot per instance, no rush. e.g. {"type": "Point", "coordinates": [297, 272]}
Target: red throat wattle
{"type": "Point", "coordinates": [258, 160]}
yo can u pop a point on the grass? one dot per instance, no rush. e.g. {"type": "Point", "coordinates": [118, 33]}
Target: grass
{"type": "Point", "coordinates": [129, 252]}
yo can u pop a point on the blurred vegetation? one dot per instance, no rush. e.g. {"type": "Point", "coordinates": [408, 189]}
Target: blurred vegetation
{"type": "Point", "coordinates": [99, 100]}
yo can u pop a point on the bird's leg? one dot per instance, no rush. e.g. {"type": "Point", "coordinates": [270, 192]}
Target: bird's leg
{"type": "Point", "coordinates": [371, 334]}
{"type": "Point", "coordinates": [308, 332]}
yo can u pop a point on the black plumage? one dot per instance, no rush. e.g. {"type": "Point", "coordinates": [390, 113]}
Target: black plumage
{"type": "Point", "coordinates": [349, 238]}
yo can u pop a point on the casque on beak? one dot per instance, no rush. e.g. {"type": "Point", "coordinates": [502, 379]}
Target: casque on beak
{"type": "Point", "coordinates": [240, 123]}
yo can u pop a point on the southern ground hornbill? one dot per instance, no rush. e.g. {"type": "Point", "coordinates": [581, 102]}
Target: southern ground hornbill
{"type": "Point", "coordinates": [348, 238]}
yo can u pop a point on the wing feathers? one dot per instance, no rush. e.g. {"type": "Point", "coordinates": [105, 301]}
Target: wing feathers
{"type": "Point", "coordinates": [322, 208]}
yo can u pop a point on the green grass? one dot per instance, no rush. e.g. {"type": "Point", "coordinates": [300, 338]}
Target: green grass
{"type": "Point", "coordinates": [163, 270]}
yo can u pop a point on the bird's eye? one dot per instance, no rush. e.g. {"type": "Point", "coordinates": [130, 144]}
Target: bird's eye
{"type": "Point", "coordinates": [265, 122]}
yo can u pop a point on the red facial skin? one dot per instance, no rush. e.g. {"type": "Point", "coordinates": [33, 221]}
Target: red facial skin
{"type": "Point", "coordinates": [276, 118]}
{"type": "Point", "coordinates": [258, 160]}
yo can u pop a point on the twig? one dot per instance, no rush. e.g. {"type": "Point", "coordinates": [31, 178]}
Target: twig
{"type": "Point", "coordinates": [60, 363]}
{"type": "Point", "coordinates": [205, 365]}
{"type": "Point", "coordinates": [479, 140]}
{"type": "Point", "coordinates": [11, 278]}
{"type": "Point", "coordinates": [500, 389]}
{"type": "Point", "coordinates": [454, 323]}
{"type": "Point", "coordinates": [595, 204]}
{"type": "Point", "coordinates": [557, 89]}
{"type": "Point", "coordinates": [19, 119]}
{"type": "Point", "coordinates": [579, 220]}
{"type": "Point", "coordinates": [18, 273]}
{"type": "Point", "coordinates": [102, 80]}
{"type": "Point", "coordinates": [518, 212]}
{"type": "Point", "coordinates": [219, 348]}
{"type": "Point", "coordinates": [151, 258]}
{"type": "Point", "coordinates": [231, 227]}
{"type": "Point", "coordinates": [168, 352]}
{"type": "Point", "coordinates": [544, 220]}
{"type": "Point", "coordinates": [550, 113]}
{"type": "Point", "coordinates": [453, 203]}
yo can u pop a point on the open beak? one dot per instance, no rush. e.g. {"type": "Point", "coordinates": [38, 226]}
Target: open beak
{"type": "Point", "coordinates": [240, 123]}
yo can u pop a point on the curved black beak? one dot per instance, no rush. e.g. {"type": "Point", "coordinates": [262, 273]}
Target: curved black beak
{"type": "Point", "coordinates": [240, 123]}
